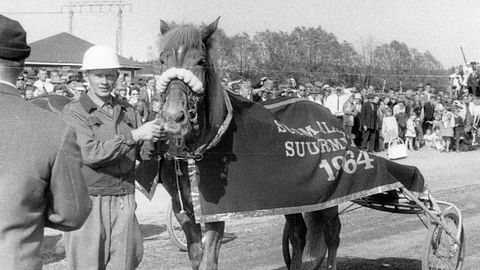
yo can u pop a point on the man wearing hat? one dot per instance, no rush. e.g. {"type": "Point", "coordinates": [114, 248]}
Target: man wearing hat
{"type": "Point", "coordinates": [42, 184]}
{"type": "Point", "coordinates": [109, 133]}
{"type": "Point", "coordinates": [74, 86]}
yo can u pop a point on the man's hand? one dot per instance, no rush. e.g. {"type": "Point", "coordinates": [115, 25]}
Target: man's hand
{"type": "Point", "coordinates": [365, 128]}
{"type": "Point", "coordinates": [148, 131]}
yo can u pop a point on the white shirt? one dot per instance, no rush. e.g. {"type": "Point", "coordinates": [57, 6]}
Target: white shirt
{"type": "Point", "coordinates": [42, 87]}
{"type": "Point", "coordinates": [335, 103]}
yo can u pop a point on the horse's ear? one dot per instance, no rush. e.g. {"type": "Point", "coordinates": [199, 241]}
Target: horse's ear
{"type": "Point", "coordinates": [164, 27]}
{"type": "Point", "coordinates": [208, 31]}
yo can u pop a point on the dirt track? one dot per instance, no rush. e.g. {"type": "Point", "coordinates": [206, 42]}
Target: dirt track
{"type": "Point", "coordinates": [370, 239]}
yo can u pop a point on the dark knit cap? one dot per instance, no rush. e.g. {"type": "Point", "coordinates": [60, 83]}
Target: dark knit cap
{"type": "Point", "coordinates": [74, 78]}
{"type": "Point", "coordinates": [13, 40]}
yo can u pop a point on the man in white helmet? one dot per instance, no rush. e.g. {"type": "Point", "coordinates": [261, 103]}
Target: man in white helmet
{"type": "Point", "coordinates": [109, 133]}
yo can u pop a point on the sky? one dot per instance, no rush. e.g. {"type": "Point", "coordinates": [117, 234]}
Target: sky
{"type": "Point", "coordinates": [439, 26]}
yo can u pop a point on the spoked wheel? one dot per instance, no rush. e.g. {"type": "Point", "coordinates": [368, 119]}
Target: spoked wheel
{"type": "Point", "coordinates": [441, 251]}
{"type": "Point", "coordinates": [177, 236]}
{"type": "Point", "coordinates": [286, 247]}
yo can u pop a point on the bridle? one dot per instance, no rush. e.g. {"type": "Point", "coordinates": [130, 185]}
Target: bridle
{"type": "Point", "coordinates": [193, 119]}
{"type": "Point", "coordinates": [193, 90]}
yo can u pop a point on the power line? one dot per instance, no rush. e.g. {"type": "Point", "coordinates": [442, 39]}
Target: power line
{"type": "Point", "coordinates": [100, 7]}
{"type": "Point", "coordinates": [34, 12]}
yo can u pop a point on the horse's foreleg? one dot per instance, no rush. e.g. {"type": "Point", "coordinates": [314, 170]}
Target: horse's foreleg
{"type": "Point", "coordinates": [332, 236]}
{"type": "Point", "coordinates": [213, 236]}
{"type": "Point", "coordinates": [297, 231]}
{"type": "Point", "coordinates": [193, 234]}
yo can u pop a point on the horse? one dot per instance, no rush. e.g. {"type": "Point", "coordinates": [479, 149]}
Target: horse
{"type": "Point", "coordinates": [193, 113]}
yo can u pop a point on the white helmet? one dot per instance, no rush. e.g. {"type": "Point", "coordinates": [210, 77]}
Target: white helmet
{"type": "Point", "coordinates": [100, 57]}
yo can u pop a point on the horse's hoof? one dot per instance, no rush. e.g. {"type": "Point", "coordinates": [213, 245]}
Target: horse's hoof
{"type": "Point", "coordinates": [183, 212]}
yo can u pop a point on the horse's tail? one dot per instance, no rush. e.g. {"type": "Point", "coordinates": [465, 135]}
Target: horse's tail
{"type": "Point", "coordinates": [315, 246]}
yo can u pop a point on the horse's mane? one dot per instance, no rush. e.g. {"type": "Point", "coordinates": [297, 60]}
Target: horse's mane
{"type": "Point", "coordinates": [191, 37]}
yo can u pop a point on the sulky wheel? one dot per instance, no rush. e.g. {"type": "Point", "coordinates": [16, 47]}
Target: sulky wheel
{"type": "Point", "coordinates": [286, 246]}
{"type": "Point", "coordinates": [441, 251]}
{"type": "Point", "coordinates": [177, 236]}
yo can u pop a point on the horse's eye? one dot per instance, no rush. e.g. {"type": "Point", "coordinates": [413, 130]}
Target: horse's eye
{"type": "Point", "coordinates": [202, 62]}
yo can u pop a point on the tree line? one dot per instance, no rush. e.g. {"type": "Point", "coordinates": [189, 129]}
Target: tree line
{"type": "Point", "coordinates": [313, 54]}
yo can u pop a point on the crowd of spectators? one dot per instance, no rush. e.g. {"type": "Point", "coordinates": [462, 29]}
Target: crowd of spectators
{"type": "Point", "coordinates": [141, 94]}
{"type": "Point", "coordinates": [423, 117]}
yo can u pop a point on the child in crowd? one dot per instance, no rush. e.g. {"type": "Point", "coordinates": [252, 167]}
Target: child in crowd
{"type": "Point", "coordinates": [438, 141]}
{"type": "Point", "coordinates": [437, 122]}
{"type": "Point", "coordinates": [389, 127]}
{"type": "Point", "coordinates": [446, 129]}
{"type": "Point", "coordinates": [410, 131]}
{"type": "Point", "coordinates": [428, 139]}
{"type": "Point", "coordinates": [419, 142]}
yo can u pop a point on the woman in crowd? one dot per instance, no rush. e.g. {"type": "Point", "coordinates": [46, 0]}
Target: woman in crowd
{"type": "Point", "coordinates": [135, 93]}
{"type": "Point", "coordinates": [389, 129]}
{"type": "Point", "coordinates": [121, 93]}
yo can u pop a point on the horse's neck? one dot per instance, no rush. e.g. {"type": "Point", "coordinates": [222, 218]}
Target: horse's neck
{"type": "Point", "coordinates": [215, 117]}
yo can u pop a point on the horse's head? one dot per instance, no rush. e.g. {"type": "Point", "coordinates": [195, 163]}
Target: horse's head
{"type": "Point", "coordinates": [194, 104]}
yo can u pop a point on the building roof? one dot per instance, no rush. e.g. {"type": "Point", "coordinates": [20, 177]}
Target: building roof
{"type": "Point", "coordinates": [65, 49]}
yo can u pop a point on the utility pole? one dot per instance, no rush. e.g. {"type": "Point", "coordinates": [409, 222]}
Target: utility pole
{"type": "Point", "coordinates": [100, 6]}
{"type": "Point", "coordinates": [118, 37]}
{"type": "Point", "coordinates": [70, 21]}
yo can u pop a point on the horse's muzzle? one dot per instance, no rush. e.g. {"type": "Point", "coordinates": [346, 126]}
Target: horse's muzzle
{"type": "Point", "coordinates": [174, 115]}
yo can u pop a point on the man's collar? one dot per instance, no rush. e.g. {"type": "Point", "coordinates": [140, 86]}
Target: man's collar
{"type": "Point", "coordinates": [89, 105]}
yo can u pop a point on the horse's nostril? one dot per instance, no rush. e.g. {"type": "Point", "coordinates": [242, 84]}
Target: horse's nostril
{"type": "Point", "coordinates": [181, 117]}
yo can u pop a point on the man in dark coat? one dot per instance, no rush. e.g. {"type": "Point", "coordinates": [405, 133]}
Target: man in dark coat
{"type": "Point", "coordinates": [42, 184]}
{"type": "Point", "coordinates": [428, 115]}
{"type": "Point", "coordinates": [368, 121]}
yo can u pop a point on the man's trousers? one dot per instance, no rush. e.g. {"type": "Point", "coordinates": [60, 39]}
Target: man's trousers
{"type": "Point", "coordinates": [110, 237]}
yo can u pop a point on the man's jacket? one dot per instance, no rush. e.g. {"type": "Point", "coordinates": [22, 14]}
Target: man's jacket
{"type": "Point", "coordinates": [41, 180]}
{"type": "Point", "coordinates": [108, 150]}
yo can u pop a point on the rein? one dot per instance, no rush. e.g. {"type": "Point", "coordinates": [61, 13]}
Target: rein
{"type": "Point", "coordinates": [196, 155]}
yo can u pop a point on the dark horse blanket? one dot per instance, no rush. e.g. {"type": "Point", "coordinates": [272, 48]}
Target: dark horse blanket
{"type": "Point", "coordinates": [288, 156]}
